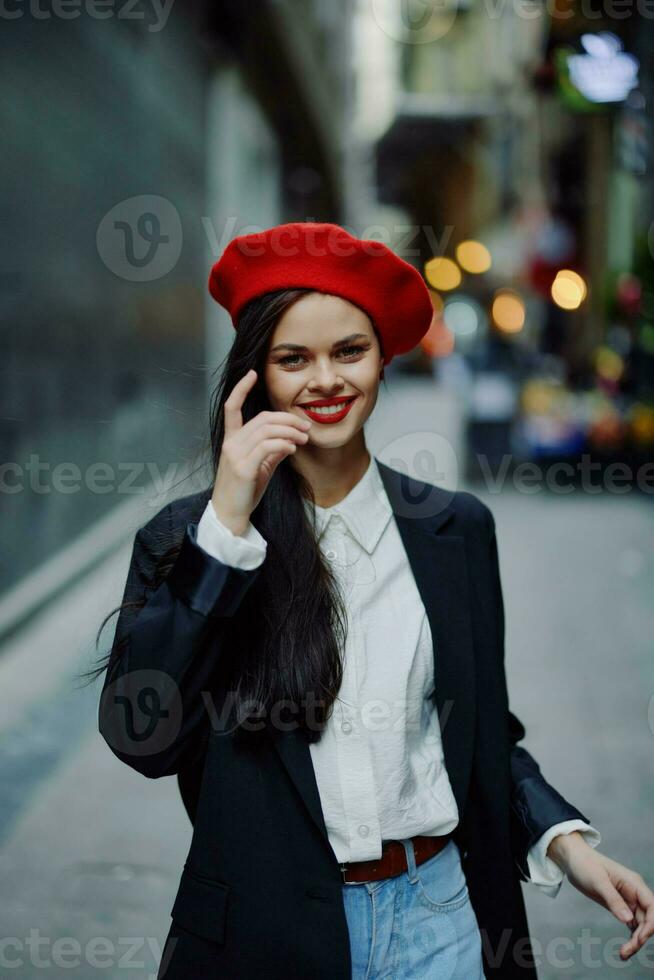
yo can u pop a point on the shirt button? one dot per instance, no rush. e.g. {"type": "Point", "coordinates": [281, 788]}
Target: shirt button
{"type": "Point", "coordinates": [346, 726]}
{"type": "Point", "coordinates": [364, 830]}
{"type": "Point", "coordinates": [330, 553]}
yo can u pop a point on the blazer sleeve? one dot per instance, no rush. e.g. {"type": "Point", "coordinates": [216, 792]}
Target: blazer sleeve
{"type": "Point", "coordinates": [154, 705]}
{"type": "Point", "coordinates": [535, 804]}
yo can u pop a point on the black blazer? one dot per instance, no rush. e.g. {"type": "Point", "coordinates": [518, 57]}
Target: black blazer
{"type": "Point", "coordinates": [260, 892]}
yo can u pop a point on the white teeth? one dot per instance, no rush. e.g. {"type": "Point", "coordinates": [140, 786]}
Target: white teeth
{"type": "Point", "coordinates": [328, 409]}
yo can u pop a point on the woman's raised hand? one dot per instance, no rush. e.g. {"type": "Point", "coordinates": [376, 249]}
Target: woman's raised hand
{"type": "Point", "coordinates": [250, 454]}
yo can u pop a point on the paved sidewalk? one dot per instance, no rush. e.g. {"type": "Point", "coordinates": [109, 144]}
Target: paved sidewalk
{"type": "Point", "coordinates": [578, 581]}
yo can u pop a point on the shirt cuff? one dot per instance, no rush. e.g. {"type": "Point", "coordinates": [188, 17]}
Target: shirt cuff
{"type": "Point", "coordinates": [543, 871]}
{"type": "Point", "coordinates": [246, 551]}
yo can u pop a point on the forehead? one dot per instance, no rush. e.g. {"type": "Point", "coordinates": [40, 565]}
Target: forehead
{"type": "Point", "coordinates": [334, 314]}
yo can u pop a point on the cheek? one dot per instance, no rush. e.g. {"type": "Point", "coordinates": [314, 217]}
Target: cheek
{"type": "Point", "coordinates": [280, 387]}
{"type": "Point", "coordinates": [367, 380]}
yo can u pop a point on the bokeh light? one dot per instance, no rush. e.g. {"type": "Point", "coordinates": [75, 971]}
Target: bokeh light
{"type": "Point", "coordinates": [568, 289]}
{"type": "Point", "coordinates": [473, 257]}
{"type": "Point", "coordinates": [461, 316]}
{"type": "Point", "coordinates": [508, 311]}
{"type": "Point", "coordinates": [608, 364]}
{"type": "Point", "coordinates": [442, 273]}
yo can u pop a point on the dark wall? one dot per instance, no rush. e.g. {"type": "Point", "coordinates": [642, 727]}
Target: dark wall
{"type": "Point", "coordinates": [102, 346]}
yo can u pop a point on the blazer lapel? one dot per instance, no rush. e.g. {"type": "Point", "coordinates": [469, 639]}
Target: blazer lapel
{"type": "Point", "coordinates": [439, 566]}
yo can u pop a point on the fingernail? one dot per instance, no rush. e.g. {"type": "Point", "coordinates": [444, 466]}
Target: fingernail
{"type": "Point", "coordinates": [625, 914]}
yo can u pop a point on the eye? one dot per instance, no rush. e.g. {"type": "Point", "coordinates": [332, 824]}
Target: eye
{"type": "Point", "coordinates": [293, 360]}
{"type": "Point", "coordinates": [289, 359]}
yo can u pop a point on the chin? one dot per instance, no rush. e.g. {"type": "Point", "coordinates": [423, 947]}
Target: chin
{"type": "Point", "coordinates": [333, 440]}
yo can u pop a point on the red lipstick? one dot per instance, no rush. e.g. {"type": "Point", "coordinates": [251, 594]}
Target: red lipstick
{"type": "Point", "coordinates": [327, 418]}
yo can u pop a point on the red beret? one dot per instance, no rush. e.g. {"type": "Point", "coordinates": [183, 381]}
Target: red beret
{"type": "Point", "coordinates": [327, 258]}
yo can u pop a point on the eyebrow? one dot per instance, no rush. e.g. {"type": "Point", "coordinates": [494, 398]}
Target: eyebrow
{"type": "Point", "coordinates": [299, 347]}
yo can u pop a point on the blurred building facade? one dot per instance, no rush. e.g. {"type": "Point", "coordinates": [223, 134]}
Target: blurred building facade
{"type": "Point", "coordinates": [487, 142]}
{"type": "Point", "coordinates": [461, 149]}
{"type": "Point", "coordinates": [460, 145]}
{"type": "Point", "coordinates": [138, 146]}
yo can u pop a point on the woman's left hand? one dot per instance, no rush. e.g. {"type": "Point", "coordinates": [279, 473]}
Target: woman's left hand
{"type": "Point", "coordinates": [609, 884]}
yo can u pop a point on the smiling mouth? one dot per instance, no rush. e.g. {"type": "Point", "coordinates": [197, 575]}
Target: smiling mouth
{"type": "Point", "coordinates": [331, 410]}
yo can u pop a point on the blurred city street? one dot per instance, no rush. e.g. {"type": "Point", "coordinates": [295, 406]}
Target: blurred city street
{"type": "Point", "coordinates": [506, 153]}
{"type": "Point", "coordinates": [578, 577]}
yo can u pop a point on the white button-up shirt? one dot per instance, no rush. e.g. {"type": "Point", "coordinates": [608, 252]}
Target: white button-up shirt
{"type": "Point", "coordinates": [379, 764]}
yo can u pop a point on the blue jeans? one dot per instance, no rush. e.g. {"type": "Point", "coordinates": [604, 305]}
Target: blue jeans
{"type": "Point", "coordinates": [419, 924]}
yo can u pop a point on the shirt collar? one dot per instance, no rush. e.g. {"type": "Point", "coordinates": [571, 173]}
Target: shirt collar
{"type": "Point", "coordinates": [365, 510]}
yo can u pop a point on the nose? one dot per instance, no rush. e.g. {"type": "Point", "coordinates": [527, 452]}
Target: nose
{"type": "Point", "coordinates": [325, 378]}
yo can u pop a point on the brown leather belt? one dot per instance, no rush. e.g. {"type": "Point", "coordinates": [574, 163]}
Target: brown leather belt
{"type": "Point", "coordinates": [393, 859]}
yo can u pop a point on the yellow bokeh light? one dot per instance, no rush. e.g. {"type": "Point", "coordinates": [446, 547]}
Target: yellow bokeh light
{"type": "Point", "coordinates": [473, 256]}
{"type": "Point", "coordinates": [508, 311]}
{"type": "Point", "coordinates": [442, 273]}
{"type": "Point", "coordinates": [568, 289]}
{"type": "Point", "coordinates": [609, 364]}
{"type": "Point", "coordinates": [574, 277]}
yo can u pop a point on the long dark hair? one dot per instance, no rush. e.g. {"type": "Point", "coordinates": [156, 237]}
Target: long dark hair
{"type": "Point", "coordinates": [283, 648]}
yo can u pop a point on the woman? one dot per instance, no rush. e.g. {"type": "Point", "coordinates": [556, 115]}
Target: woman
{"type": "Point", "coordinates": [314, 646]}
